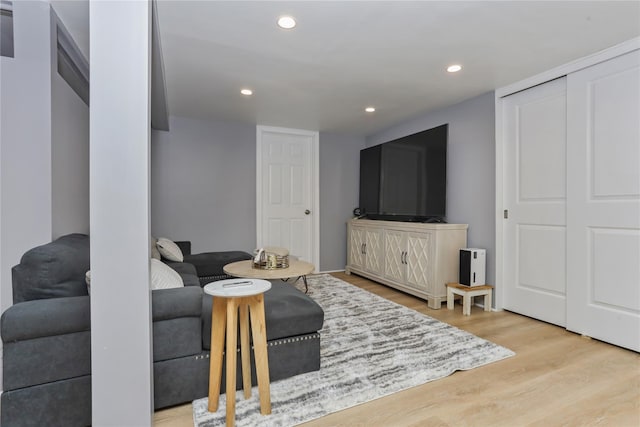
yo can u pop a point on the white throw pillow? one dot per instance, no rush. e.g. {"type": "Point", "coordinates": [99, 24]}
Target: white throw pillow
{"type": "Point", "coordinates": [87, 278]}
{"type": "Point", "coordinates": [163, 276]}
{"type": "Point", "coordinates": [169, 250]}
{"type": "Point", "coordinates": [155, 253]}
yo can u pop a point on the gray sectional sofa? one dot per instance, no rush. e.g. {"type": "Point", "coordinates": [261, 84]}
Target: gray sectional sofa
{"type": "Point", "coordinates": [46, 335]}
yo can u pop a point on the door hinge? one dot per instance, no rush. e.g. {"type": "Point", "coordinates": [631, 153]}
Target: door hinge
{"type": "Point", "coordinates": [506, 213]}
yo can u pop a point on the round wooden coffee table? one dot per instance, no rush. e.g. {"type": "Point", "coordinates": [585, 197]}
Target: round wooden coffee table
{"type": "Point", "coordinates": [296, 269]}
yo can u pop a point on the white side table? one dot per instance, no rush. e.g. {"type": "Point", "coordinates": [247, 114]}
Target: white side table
{"type": "Point", "coordinates": [247, 296]}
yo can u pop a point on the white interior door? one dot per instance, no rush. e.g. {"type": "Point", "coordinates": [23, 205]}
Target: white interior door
{"type": "Point", "coordinates": [535, 198]}
{"type": "Point", "coordinates": [287, 191]}
{"type": "Point", "coordinates": [604, 201]}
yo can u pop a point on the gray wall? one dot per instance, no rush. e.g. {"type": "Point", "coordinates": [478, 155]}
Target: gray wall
{"type": "Point", "coordinates": [69, 159]}
{"type": "Point", "coordinates": [470, 167]}
{"type": "Point", "coordinates": [339, 182]}
{"type": "Point", "coordinates": [203, 187]}
{"type": "Point", "coordinates": [203, 184]}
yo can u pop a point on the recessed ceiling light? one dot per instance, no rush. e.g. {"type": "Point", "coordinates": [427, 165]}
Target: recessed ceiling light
{"type": "Point", "coordinates": [370, 109]}
{"type": "Point", "coordinates": [246, 92]}
{"type": "Point", "coordinates": [454, 68]}
{"type": "Point", "coordinates": [286, 22]}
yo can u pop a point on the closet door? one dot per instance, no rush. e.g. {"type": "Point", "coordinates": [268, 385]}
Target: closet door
{"type": "Point", "coordinates": [535, 197]}
{"type": "Point", "coordinates": [603, 205]}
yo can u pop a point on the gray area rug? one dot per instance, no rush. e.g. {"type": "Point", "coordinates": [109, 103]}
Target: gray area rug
{"type": "Point", "coordinates": [370, 347]}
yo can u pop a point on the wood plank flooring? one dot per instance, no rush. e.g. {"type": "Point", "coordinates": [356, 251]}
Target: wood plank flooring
{"type": "Point", "coordinates": [557, 378]}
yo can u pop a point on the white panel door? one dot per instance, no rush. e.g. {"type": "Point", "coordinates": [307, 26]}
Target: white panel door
{"type": "Point", "coordinates": [287, 202]}
{"type": "Point", "coordinates": [603, 207]}
{"type": "Point", "coordinates": [535, 198]}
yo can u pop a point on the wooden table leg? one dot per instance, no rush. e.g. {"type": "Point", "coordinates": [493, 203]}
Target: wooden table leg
{"type": "Point", "coordinates": [450, 299]}
{"type": "Point", "coordinates": [232, 350]}
{"type": "Point", "coordinates": [487, 301]}
{"type": "Point", "coordinates": [218, 325]}
{"type": "Point", "coordinates": [245, 349]}
{"type": "Point", "coordinates": [259, 332]}
{"type": "Point", "coordinates": [466, 304]}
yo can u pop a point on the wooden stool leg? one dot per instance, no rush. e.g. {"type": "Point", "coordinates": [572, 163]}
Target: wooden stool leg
{"type": "Point", "coordinates": [466, 305]}
{"type": "Point", "coordinates": [450, 299]}
{"type": "Point", "coordinates": [487, 301]}
{"type": "Point", "coordinates": [218, 325]}
{"type": "Point", "coordinates": [232, 350]}
{"type": "Point", "coordinates": [245, 349]}
{"type": "Point", "coordinates": [259, 332]}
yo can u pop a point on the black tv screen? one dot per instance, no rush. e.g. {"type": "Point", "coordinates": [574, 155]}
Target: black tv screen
{"type": "Point", "coordinates": [406, 179]}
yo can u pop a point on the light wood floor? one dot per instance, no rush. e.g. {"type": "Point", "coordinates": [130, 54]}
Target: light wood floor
{"type": "Point", "coordinates": [557, 378]}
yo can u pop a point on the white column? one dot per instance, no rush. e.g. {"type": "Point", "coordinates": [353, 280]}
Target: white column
{"type": "Point", "coordinates": [121, 339]}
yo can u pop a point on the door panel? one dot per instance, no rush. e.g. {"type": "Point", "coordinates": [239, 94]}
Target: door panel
{"type": "Point", "coordinates": [374, 251]}
{"type": "Point", "coordinates": [535, 196]}
{"type": "Point", "coordinates": [603, 237]}
{"type": "Point", "coordinates": [542, 271]}
{"type": "Point", "coordinates": [356, 250]}
{"type": "Point", "coordinates": [394, 246]}
{"type": "Point", "coordinates": [419, 260]}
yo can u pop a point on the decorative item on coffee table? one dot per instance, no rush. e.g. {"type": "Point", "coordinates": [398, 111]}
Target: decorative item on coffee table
{"type": "Point", "coordinates": [271, 257]}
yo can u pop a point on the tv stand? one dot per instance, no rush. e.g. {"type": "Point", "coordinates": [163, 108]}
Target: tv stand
{"type": "Point", "coordinates": [417, 258]}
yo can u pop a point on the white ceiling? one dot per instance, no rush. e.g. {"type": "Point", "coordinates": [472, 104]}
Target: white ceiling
{"type": "Point", "coordinates": [346, 55]}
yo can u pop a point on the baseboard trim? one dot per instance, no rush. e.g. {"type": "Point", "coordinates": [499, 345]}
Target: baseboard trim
{"type": "Point", "coordinates": [330, 271]}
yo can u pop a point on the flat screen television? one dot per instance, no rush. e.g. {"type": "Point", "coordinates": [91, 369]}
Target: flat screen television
{"type": "Point", "coordinates": [406, 179]}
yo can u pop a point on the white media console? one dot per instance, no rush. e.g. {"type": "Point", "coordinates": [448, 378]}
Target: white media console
{"type": "Point", "coordinates": [413, 257]}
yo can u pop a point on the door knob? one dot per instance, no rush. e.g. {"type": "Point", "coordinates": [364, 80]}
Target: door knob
{"type": "Point", "coordinates": [307, 212]}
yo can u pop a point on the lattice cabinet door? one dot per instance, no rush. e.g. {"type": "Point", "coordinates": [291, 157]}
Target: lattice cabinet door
{"type": "Point", "coordinates": [374, 250]}
{"type": "Point", "coordinates": [419, 260]}
{"type": "Point", "coordinates": [356, 247]}
{"type": "Point", "coordinates": [395, 247]}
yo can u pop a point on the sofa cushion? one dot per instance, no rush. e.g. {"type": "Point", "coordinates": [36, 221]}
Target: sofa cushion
{"type": "Point", "coordinates": [43, 318]}
{"type": "Point", "coordinates": [169, 250]}
{"type": "Point", "coordinates": [163, 276]}
{"type": "Point", "coordinates": [212, 263]}
{"type": "Point", "coordinates": [177, 328]}
{"type": "Point", "coordinates": [54, 270]}
{"type": "Point", "coordinates": [177, 302]}
{"type": "Point", "coordinates": [186, 271]}
{"type": "Point", "coordinates": [288, 313]}
{"type": "Point", "coordinates": [38, 336]}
